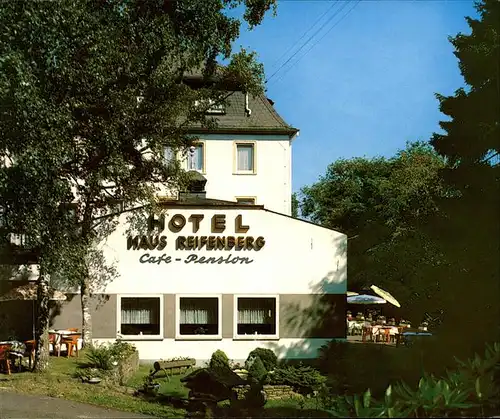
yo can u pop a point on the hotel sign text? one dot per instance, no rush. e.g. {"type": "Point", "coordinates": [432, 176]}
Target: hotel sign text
{"type": "Point", "coordinates": [179, 223]}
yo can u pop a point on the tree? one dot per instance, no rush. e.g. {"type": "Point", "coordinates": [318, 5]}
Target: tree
{"type": "Point", "coordinates": [471, 144]}
{"type": "Point", "coordinates": [384, 207]}
{"type": "Point", "coordinates": [295, 205]}
{"type": "Point", "coordinates": [91, 93]}
{"type": "Point", "coordinates": [471, 137]}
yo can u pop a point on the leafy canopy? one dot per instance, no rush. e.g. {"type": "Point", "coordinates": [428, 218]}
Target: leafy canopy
{"type": "Point", "coordinates": [91, 93]}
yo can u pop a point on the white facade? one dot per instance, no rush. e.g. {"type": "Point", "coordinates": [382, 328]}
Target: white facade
{"type": "Point", "coordinates": [297, 257]}
{"type": "Point", "coordinates": [294, 258]}
{"type": "Point", "coordinates": [268, 182]}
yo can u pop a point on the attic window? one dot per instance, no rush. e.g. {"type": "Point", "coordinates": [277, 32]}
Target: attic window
{"type": "Point", "coordinates": [212, 107]}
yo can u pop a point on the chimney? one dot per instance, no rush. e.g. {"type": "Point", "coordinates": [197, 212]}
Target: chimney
{"type": "Point", "coordinates": [195, 187]}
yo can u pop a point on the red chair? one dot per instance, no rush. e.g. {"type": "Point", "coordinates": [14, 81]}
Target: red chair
{"type": "Point", "coordinates": [30, 350]}
{"type": "Point", "coordinates": [4, 358]}
{"type": "Point", "coordinates": [55, 341]}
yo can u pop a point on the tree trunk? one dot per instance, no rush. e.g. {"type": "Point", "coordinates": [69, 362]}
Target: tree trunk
{"type": "Point", "coordinates": [41, 363]}
{"type": "Point", "coordinates": [86, 315]}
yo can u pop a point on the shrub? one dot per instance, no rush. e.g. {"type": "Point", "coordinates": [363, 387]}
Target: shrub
{"type": "Point", "coordinates": [353, 368]}
{"type": "Point", "coordinates": [304, 379]}
{"type": "Point", "coordinates": [219, 360]}
{"type": "Point", "coordinates": [267, 356]}
{"type": "Point", "coordinates": [105, 357]}
{"type": "Point", "coordinates": [256, 371]}
{"type": "Point", "coordinates": [100, 357]}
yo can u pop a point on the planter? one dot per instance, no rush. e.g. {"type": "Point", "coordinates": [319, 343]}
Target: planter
{"type": "Point", "coordinates": [167, 365]}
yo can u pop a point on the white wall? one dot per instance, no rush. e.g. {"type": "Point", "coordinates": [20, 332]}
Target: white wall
{"type": "Point", "coordinates": [271, 184]}
{"type": "Point", "coordinates": [237, 351]}
{"type": "Point", "coordinates": [298, 258]}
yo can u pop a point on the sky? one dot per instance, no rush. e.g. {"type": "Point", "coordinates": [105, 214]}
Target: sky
{"type": "Point", "coordinates": [365, 83]}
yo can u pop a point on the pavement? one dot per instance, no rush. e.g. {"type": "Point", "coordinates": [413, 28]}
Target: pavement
{"type": "Point", "coordinates": [24, 406]}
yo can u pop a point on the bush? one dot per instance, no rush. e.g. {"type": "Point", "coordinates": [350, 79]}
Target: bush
{"type": "Point", "coordinates": [219, 360]}
{"type": "Point", "coordinates": [105, 357]}
{"type": "Point", "coordinates": [256, 371]}
{"type": "Point", "coordinates": [267, 356]}
{"type": "Point", "coordinates": [352, 368]}
{"type": "Point", "coordinates": [304, 379]}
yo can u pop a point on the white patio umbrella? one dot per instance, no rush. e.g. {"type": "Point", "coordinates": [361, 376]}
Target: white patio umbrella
{"type": "Point", "coordinates": [28, 292]}
{"type": "Point", "coordinates": [385, 295]}
{"type": "Point", "coordinates": [365, 299]}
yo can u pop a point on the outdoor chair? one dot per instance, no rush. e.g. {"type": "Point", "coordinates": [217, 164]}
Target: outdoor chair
{"type": "Point", "coordinates": [367, 333]}
{"type": "Point", "coordinates": [30, 350]}
{"type": "Point", "coordinates": [71, 343]}
{"type": "Point", "coordinates": [4, 358]}
{"type": "Point", "coordinates": [55, 341]}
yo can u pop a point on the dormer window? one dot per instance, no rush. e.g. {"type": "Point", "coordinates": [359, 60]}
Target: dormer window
{"type": "Point", "coordinates": [212, 108]}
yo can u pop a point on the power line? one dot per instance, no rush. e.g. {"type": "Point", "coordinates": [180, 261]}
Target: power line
{"type": "Point", "coordinates": [319, 40]}
{"type": "Point", "coordinates": [304, 34]}
{"type": "Point", "coordinates": [308, 40]}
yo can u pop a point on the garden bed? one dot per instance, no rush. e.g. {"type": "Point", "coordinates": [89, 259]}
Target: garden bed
{"type": "Point", "coordinates": [272, 392]}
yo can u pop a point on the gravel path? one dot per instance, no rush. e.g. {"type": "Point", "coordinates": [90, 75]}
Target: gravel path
{"type": "Point", "coordinates": [23, 406]}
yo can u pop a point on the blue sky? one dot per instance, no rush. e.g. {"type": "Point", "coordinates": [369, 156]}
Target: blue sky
{"type": "Point", "coordinates": [367, 87]}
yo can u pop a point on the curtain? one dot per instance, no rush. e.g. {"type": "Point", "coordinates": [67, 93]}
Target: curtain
{"type": "Point", "coordinates": [255, 311]}
{"type": "Point", "coordinates": [139, 311]}
{"type": "Point", "coordinates": [245, 157]}
{"type": "Point", "coordinates": [198, 311]}
{"type": "Point", "coordinates": [195, 160]}
{"type": "Point", "coordinates": [169, 155]}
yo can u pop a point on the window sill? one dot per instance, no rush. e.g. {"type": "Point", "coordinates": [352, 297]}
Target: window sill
{"type": "Point", "coordinates": [256, 337]}
{"type": "Point", "coordinates": [198, 337]}
{"type": "Point", "coordinates": [245, 173]}
{"type": "Point", "coordinates": [143, 337]}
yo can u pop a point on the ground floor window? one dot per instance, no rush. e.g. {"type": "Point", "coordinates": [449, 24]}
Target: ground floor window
{"type": "Point", "coordinates": [257, 316]}
{"type": "Point", "coordinates": [140, 315]}
{"type": "Point", "coordinates": [199, 316]}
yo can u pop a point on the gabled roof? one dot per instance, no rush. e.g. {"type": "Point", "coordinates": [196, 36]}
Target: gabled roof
{"type": "Point", "coordinates": [263, 118]}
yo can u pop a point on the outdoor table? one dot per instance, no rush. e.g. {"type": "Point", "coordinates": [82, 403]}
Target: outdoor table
{"type": "Point", "coordinates": [406, 337]}
{"type": "Point", "coordinates": [14, 350]}
{"type": "Point", "coordinates": [386, 330]}
{"type": "Point", "coordinates": [65, 334]}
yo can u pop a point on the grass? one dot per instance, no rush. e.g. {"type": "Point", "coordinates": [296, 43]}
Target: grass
{"type": "Point", "coordinates": [60, 382]}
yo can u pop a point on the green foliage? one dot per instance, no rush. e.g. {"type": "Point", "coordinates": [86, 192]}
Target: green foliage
{"type": "Point", "coordinates": [91, 93]}
{"type": "Point", "coordinates": [471, 136]}
{"type": "Point", "coordinates": [304, 379]}
{"type": "Point", "coordinates": [354, 368]}
{"type": "Point", "coordinates": [256, 371]}
{"type": "Point", "coordinates": [219, 360]}
{"type": "Point", "coordinates": [469, 390]}
{"type": "Point", "coordinates": [105, 357]}
{"type": "Point", "coordinates": [267, 356]}
{"type": "Point", "coordinates": [295, 205]}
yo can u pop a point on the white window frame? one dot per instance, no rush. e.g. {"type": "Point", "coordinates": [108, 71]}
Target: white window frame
{"type": "Point", "coordinates": [119, 317]}
{"type": "Point", "coordinates": [276, 336]}
{"type": "Point", "coordinates": [247, 197]}
{"type": "Point", "coordinates": [236, 171]}
{"type": "Point", "coordinates": [178, 335]}
{"type": "Point", "coordinates": [204, 146]}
